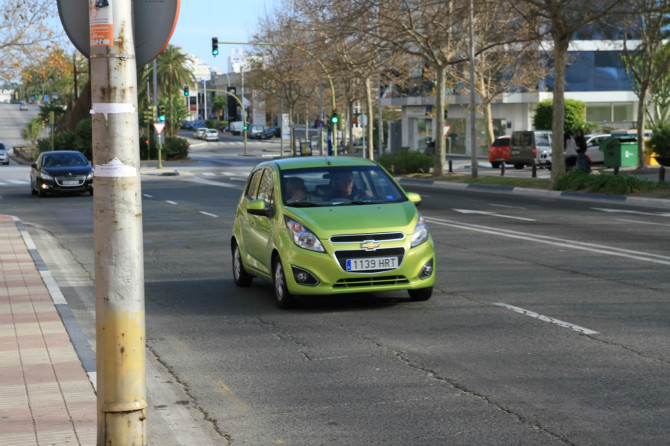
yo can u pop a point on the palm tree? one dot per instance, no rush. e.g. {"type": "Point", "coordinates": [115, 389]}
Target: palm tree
{"type": "Point", "coordinates": [172, 68]}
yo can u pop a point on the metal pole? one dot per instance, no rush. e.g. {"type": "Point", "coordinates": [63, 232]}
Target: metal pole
{"type": "Point", "coordinates": [118, 251]}
{"type": "Point", "coordinates": [380, 130]}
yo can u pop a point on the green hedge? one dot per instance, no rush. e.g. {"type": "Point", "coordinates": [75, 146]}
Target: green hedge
{"type": "Point", "coordinates": [604, 183]}
{"type": "Point", "coordinates": [407, 161]}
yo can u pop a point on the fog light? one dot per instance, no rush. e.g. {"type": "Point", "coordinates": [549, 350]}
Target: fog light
{"type": "Point", "coordinates": [304, 277]}
{"type": "Point", "coordinates": [427, 270]}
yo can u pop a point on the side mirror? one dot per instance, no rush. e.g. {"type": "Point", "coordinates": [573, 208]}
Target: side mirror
{"type": "Point", "coordinates": [414, 198]}
{"type": "Point", "coordinates": [259, 207]}
{"type": "Point", "coordinates": [34, 165]}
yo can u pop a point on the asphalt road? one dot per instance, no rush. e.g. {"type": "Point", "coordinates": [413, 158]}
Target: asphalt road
{"type": "Point", "coordinates": [548, 325]}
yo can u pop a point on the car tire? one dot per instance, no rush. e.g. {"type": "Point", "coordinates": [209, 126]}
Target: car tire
{"type": "Point", "coordinates": [421, 294]}
{"type": "Point", "coordinates": [495, 164]}
{"type": "Point", "coordinates": [518, 166]}
{"type": "Point", "coordinates": [240, 275]}
{"type": "Point", "coordinates": [282, 296]}
{"type": "Point", "coordinates": [32, 190]}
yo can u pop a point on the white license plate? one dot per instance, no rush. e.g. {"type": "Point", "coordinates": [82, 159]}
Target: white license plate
{"type": "Point", "coordinates": [372, 263]}
{"type": "Point", "coordinates": [70, 183]}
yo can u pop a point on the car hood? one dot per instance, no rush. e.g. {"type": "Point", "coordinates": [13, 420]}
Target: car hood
{"type": "Point", "coordinates": [71, 170]}
{"type": "Point", "coordinates": [358, 219]}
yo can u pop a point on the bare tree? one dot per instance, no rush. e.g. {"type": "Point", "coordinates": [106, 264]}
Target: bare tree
{"type": "Point", "coordinates": [649, 63]}
{"type": "Point", "coordinates": [560, 20]}
{"type": "Point", "coordinates": [25, 30]}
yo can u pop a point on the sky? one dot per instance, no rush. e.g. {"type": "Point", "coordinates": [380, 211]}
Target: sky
{"type": "Point", "coordinates": [229, 20]}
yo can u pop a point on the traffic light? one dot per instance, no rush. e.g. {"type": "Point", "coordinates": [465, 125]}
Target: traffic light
{"type": "Point", "coordinates": [334, 118]}
{"type": "Point", "coordinates": [215, 46]}
{"type": "Point", "coordinates": [161, 113]}
{"type": "Point", "coordinates": [186, 90]}
{"type": "Point", "coordinates": [245, 126]}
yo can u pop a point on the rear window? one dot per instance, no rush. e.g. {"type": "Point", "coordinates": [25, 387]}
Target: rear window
{"type": "Point", "coordinates": [501, 142]}
{"type": "Point", "coordinates": [522, 139]}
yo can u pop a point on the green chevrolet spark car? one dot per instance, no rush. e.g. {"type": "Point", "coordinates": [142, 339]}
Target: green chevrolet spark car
{"type": "Point", "coordinates": [328, 225]}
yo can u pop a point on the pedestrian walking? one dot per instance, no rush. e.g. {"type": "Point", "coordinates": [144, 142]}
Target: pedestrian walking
{"type": "Point", "coordinates": [570, 152]}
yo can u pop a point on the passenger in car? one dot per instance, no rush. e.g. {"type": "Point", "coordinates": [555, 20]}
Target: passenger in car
{"type": "Point", "coordinates": [296, 189]}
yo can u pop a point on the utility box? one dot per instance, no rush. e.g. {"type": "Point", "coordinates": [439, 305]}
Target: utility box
{"type": "Point", "coordinates": [620, 152]}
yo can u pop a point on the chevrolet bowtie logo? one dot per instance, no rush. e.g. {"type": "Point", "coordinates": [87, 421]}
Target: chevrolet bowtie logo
{"type": "Point", "coordinates": [370, 245]}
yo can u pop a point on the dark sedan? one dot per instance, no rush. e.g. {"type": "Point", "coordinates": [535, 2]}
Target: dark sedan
{"type": "Point", "coordinates": [61, 171]}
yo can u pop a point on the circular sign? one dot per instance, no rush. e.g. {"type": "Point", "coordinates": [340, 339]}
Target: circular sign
{"type": "Point", "coordinates": [153, 24]}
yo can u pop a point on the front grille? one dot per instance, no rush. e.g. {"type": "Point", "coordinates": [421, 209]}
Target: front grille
{"type": "Point", "coordinates": [63, 181]}
{"type": "Point", "coordinates": [359, 238]}
{"type": "Point", "coordinates": [359, 282]}
{"type": "Point", "coordinates": [342, 256]}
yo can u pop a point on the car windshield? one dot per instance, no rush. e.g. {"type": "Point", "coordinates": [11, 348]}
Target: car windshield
{"type": "Point", "coordinates": [330, 185]}
{"type": "Point", "coordinates": [64, 160]}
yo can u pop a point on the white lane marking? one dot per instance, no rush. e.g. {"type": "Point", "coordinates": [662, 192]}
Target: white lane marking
{"type": "Point", "coordinates": [148, 196]}
{"type": "Point", "coordinates": [505, 206]}
{"type": "Point", "coordinates": [208, 214]}
{"type": "Point", "coordinates": [171, 202]}
{"type": "Point", "coordinates": [642, 222]}
{"type": "Point", "coordinates": [563, 243]}
{"type": "Point", "coordinates": [209, 174]}
{"type": "Point", "coordinates": [493, 214]}
{"type": "Point", "coordinates": [212, 183]}
{"type": "Point", "coordinates": [624, 211]}
{"type": "Point", "coordinates": [551, 320]}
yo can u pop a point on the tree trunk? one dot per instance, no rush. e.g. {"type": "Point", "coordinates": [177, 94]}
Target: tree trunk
{"type": "Point", "coordinates": [641, 120]}
{"type": "Point", "coordinates": [558, 119]}
{"type": "Point", "coordinates": [440, 146]}
{"type": "Point", "coordinates": [488, 122]}
{"type": "Point", "coordinates": [369, 128]}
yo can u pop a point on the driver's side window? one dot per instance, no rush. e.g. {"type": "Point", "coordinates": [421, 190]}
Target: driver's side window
{"type": "Point", "coordinates": [266, 188]}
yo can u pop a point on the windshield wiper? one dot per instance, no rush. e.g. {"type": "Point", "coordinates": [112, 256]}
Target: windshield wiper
{"type": "Point", "coordinates": [302, 204]}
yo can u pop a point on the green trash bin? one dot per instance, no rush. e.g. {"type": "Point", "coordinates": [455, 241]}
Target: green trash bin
{"type": "Point", "coordinates": [620, 152]}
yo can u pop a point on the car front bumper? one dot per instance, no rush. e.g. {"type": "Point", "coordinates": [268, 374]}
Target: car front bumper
{"type": "Point", "coordinates": [416, 271]}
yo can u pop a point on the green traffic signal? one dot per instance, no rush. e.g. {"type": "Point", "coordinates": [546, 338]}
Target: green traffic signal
{"type": "Point", "coordinates": [215, 46]}
{"type": "Point", "coordinates": [162, 118]}
{"type": "Point", "coordinates": [334, 119]}
{"type": "Point", "coordinates": [186, 90]}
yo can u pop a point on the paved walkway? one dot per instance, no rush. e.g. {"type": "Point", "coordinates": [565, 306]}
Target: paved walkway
{"type": "Point", "coordinates": [46, 397]}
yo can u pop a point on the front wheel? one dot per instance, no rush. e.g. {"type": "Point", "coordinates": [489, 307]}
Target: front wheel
{"type": "Point", "coordinates": [495, 164]}
{"type": "Point", "coordinates": [420, 294]}
{"type": "Point", "coordinates": [240, 275]}
{"type": "Point", "coordinates": [283, 297]}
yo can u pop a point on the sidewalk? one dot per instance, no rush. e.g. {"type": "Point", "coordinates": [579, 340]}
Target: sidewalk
{"type": "Point", "coordinates": [46, 397]}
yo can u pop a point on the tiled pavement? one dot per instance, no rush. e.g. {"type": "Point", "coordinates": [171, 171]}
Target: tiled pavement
{"type": "Point", "coordinates": [46, 397]}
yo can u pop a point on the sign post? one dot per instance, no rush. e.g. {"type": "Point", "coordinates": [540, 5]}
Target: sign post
{"type": "Point", "coordinates": [159, 126]}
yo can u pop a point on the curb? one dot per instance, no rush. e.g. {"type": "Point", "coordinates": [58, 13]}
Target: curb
{"type": "Point", "coordinates": [639, 201]}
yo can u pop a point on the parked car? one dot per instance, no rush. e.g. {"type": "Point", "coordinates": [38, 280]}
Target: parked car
{"type": "Point", "coordinates": [23, 106]}
{"type": "Point", "coordinates": [293, 229]}
{"type": "Point", "coordinates": [4, 155]}
{"type": "Point", "coordinates": [499, 151]}
{"type": "Point", "coordinates": [526, 146]}
{"type": "Point", "coordinates": [61, 171]}
{"type": "Point", "coordinates": [267, 133]}
{"type": "Point", "coordinates": [199, 133]}
{"type": "Point", "coordinates": [256, 130]}
{"type": "Point", "coordinates": [592, 149]}
{"type": "Point", "coordinates": [276, 131]}
{"type": "Point", "coordinates": [211, 135]}
{"type": "Point", "coordinates": [236, 127]}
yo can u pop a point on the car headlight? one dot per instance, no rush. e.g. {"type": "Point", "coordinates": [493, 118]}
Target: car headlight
{"type": "Point", "coordinates": [420, 234]}
{"type": "Point", "coordinates": [89, 176]}
{"type": "Point", "coordinates": [46, 176]}
{"type": "Point", "coordinates": [303, 237]}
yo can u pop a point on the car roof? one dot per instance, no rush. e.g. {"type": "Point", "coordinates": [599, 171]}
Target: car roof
{"type": "Point", "coordinates": [319, 161]}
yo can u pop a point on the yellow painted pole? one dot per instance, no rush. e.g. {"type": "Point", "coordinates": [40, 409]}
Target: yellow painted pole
{"type": "Point", "coordinates": [118, 239]}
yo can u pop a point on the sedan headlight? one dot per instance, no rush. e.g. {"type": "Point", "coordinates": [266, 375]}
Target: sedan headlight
{"type": "Point", "coordinates": [89, 176]}
{"type": "Point", "coordinates": [303, 237]}
{"type": "Point", "coordinates": [420, 234]}
{"type": "Point", "coordinates": [46, 176]}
